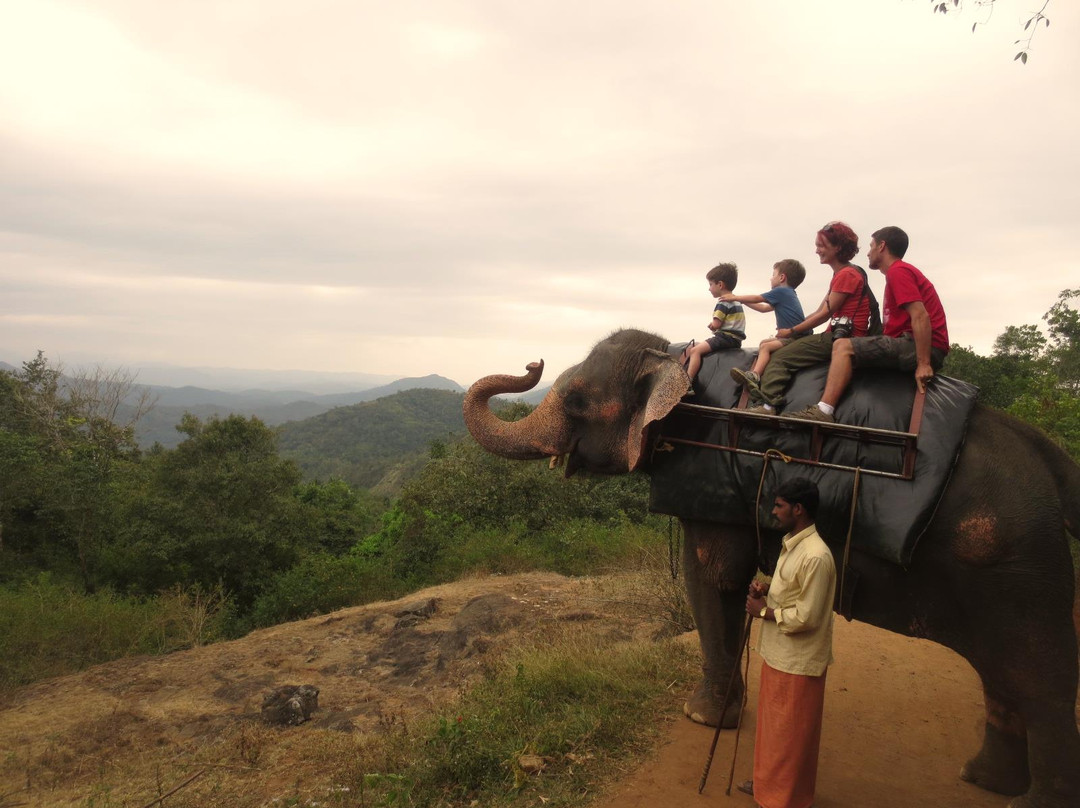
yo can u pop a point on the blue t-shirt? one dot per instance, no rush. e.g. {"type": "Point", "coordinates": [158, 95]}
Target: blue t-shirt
{"type": "Point", "coordinates": [786, 306]}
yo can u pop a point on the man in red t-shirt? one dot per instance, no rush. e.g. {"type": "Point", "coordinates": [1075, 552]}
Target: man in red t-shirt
{"type": "Point", "coordinates": [916, 335]}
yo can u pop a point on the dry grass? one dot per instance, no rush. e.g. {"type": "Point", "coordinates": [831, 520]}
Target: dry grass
{"type": "Point", "coordinates": [128, 732]}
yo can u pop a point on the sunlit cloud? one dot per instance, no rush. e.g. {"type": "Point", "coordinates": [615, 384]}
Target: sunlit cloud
{"type": "Point", "coordinates": [464, 187]}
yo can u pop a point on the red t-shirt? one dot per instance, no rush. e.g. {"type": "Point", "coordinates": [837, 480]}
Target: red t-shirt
{"type": "Point", "coordinates": [905, 284]}
{"type": "Point", "coordinates": [857, 305]}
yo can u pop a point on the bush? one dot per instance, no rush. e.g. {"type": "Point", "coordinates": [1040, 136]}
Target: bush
{"type": "Point", "coordinates": [428, 547]}
{"type": "Point", "coordinates": [578, 707]}
{"type": "Point", "coordinates": [48, 628]}
{"type": "Point", "coordinates": [580, 547]}
{"type": "Point", "coordinates": [322, 583]}
{"type": "Point", "coordinates": [488, 491]}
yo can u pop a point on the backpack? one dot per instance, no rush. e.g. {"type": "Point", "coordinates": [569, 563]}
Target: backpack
{"type": "Point", "coordinates": [874, 328]}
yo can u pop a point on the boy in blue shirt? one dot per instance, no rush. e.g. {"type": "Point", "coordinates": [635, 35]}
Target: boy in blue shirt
{"type": "Point", "coordinates": [728, 322]}
{"type": "Point", "coordinates": [782, 299]}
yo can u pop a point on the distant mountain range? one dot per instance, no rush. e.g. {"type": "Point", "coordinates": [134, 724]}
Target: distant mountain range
{"type": "Point", "coordinates": [273, 407]}
{"type": "Point", "coordinates": [370, 436]}
{"type": "Point", "coordinates": [240, 379]}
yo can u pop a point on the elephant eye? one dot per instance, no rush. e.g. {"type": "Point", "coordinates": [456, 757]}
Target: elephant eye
{"type": "Point", "coordinates": [575, 404]}
{"type": "Point", "coordinates": [643, 388]}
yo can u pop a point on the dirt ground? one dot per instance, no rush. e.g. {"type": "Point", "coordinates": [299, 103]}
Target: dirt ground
{"type": "Point", "coordinates": [901, 715]}
{"type": "Point", "coordinates": [376, 666]}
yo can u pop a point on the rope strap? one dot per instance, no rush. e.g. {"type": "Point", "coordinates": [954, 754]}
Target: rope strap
{"type": "Point", "coordinates": [850, 531]}
{"type": "Point", "coordinates": [769, 454]}
{"type": "Point", "coordinates": [674, 542]}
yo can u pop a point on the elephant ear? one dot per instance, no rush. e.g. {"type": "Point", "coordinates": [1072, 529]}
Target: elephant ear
{"type": "Point", "coordinates": [666, 383]}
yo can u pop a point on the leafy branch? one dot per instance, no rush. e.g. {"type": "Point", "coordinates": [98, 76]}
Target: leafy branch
{"type": "Point", "coordinates": [1031, 25]}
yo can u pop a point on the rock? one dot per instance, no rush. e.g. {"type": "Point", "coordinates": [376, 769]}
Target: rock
{"type": "Point", "coordinates": [421, 608]}
{"type": "Point", "coordinates": [290, 705]}
{"type": "Point", "coordinates": [408, 621]}
{"type": "Point", "coordinates": [414, 613]}
{"type": "Point", "coordinates": [486, 614]}
{"type": "Point", "coordinates": [531, 764]}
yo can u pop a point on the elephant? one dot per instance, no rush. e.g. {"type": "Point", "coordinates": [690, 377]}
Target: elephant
{"type": "Point", "coordinates": [992, 577]}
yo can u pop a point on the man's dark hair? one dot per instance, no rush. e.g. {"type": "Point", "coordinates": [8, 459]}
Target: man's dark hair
{"type": "Point", "coordinates": [894, 239]}
{"type": "Point", "coordinates": [728, 273]}
{"type": "Point", "coordinates": [800, 491]}
{"type": "Point", "coordinates": [793, 272]}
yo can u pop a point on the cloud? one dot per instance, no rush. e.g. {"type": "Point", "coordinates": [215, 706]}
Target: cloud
{"type": "Point", "coordinates": [460, 186]}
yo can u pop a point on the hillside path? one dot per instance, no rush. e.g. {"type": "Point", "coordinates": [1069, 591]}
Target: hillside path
{"type": "Point", "coordinates": [901, 717]}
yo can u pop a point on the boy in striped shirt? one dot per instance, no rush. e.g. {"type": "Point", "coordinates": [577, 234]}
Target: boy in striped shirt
{"type": "Point", "coordinates": [728, 322]}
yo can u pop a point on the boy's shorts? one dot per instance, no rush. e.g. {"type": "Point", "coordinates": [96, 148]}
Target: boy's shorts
{"type": "Point", "coordinates": [785, 341]}
{"type": "Point", "coordinates": [897, 353]}
{"type": "Point", "coordinates": [723, 342]}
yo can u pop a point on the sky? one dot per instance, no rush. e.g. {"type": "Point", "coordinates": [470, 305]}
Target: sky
{"type": "Point", "coordinates": [462, 188]}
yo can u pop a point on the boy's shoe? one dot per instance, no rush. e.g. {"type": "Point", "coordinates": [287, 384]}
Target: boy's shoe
{"type": "Point", "coordinates": [761, 409]}
{"type": "Point", "coordinates": [748, 379]}
{"type": "Point", "coordinates": [684, 357]}
{"type": "Point", "coordinates": [811, 413]}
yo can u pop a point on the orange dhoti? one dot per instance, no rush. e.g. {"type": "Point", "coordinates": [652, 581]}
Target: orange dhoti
{"type": "Point", "coordinates": [788, 738]}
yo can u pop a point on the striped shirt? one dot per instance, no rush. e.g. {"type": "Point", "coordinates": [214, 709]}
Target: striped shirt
{"type": "Point", "coordinates": [732, 319]}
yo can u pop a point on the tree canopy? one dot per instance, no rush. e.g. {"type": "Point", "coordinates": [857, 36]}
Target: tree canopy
{"type": "Point", "coordinates": [1033, 376]}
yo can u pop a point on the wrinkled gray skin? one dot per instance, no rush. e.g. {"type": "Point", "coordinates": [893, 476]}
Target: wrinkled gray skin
{"type": "Point", "coordinates": [993, 578]}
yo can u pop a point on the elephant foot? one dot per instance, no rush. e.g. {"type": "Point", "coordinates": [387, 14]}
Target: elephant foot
{"type": "Point", "coordinates": [1001, 765]}
{"type": "Point", "coordinates": [705, 705]}
{"type": "Point", "coordinates": [1037, 798]}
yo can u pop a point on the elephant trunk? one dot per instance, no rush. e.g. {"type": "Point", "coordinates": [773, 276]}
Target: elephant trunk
{"type": "Point", "coordinates": [545, 432]}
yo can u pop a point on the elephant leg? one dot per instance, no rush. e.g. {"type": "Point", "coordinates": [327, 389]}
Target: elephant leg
{"type": "Point", "coordinates": [719, 607]}
{"type": "Point", "coordinates": [1002, 763]}
{"type": "Point", "coordinates": [1053, 755]}
{"type": "Point", "coordinates": [1030, 674]}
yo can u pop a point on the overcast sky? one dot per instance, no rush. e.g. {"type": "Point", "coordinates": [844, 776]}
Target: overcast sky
{"type": "Point", "coordinates": [463, 187]}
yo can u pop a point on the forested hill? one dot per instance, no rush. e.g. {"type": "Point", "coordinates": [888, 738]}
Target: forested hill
{"type": "Point", "coordinates": [272, 407]}
{"type": "Point", "coordinates": [362, 442]}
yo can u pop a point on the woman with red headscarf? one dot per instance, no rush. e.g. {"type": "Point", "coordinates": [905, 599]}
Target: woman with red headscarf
{"type": "Point", "coordinates": [846, 308]}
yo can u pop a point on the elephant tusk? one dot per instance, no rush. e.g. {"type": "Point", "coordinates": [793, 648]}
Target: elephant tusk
{"type": "Point", "coordinates": [555, 461]}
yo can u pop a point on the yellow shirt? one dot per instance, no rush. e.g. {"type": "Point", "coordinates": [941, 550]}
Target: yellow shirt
{"type": "Point", "coordinates": [801, 593]}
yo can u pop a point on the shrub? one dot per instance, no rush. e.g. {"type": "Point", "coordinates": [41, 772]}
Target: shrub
{"type": "Point", "coordinates": [322, 583]}
{"type": "Point", "coordinates": [48, 628]}
{"type": "Point", "coordinates": [578, 707]}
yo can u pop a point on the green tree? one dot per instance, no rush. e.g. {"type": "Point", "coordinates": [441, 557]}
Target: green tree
{"type": "Point", "coordinates": [20, 472]}
{"type": "Point", "coordinates": [1063, 322]}
{"type": "Point", "coordinates": [64, 446]}
{"type": "Point", "coordinates": [340, 516]}
{"type": "Point", "coordinates": [1054, 409]}
{"type": "Point", "coordinates": [221, 507]}
{"type": "Point", "coordinates": [464, 491]}
{"type": "Point", "coordinates": [1031, 376]}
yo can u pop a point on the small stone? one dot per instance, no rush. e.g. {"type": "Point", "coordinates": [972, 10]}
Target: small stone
{"type": "Point", "coordinates": [421, 608]}
{"type": "Point", "coordinates": [531, 764]}
{"type": "Point", "coordinates": [290, 704]}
